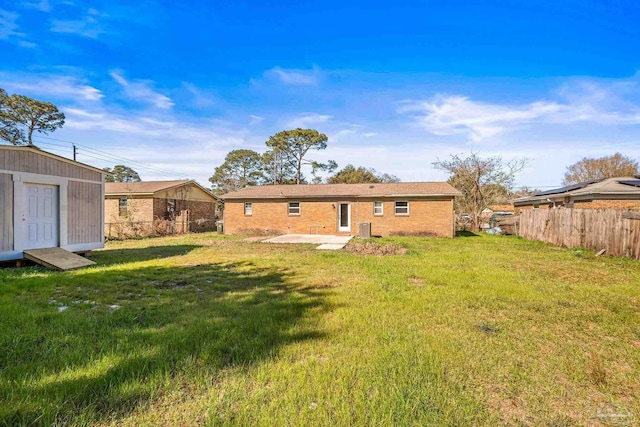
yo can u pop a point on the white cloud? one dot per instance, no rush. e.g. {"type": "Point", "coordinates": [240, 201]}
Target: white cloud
{"type": "Point", "coordinates": [141, 90]}
{"type": "Point", "coordinates": [307, 120]}
{"type": "Point", "coordinates": [198, 97]}
{"type": "Point", "coordinates": [88, 26]}
{"type": "Point", "coordinates": [603, 103]}
{"type": "Point", "coordinates": [294, 77]}
{"type": "Point", "coordinates": [59, 87]}
{"type": "Point", "coordinates": [255, 119]}
{"type": "Point", "coordinates": [160, 128]}
{"type": "Point", "coordinates": [451, 115]}
{"type": "Point", "coordinates": [41, 5]}
{"type": "Point", "coordinates": [9, 25]}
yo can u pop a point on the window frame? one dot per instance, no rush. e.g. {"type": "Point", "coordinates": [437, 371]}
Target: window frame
{"type": "Point", "coordinates": [248, 212]}
{"type": "Point", "coordinates": [395, 208]}
{"type": "Point", "coordinates": [289, 209]}
{"type": "Point", "coordinates": [123, 208]}
{"type": "Point", "coordinates": [381, 213]}
{"type": "Point", "coordinates": [171, 206]}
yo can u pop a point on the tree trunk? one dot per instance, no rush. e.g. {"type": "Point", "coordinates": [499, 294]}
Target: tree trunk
{"type": "Point", "coordinates": [30, 134]}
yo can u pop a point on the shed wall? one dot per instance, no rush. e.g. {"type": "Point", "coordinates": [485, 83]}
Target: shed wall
{"type": "Point", "coordinates": [84, 212]}
{"type": "Point", "coordinates": [6, 212]}
{"type": "Point", "coordinates": [32, 162]}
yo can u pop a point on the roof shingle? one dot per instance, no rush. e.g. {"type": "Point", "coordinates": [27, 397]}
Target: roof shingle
{"type": "Point", "coordinates": [147, 187]}
{"type": "Point", "coordinates": [344, 190]}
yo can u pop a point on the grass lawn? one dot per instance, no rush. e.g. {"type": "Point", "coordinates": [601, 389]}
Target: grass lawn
{"type": "Point", "coordinates": [208, 329]}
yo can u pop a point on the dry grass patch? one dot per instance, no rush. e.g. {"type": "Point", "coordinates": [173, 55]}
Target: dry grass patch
{"type": "Point", "coordinates": [373, 248]}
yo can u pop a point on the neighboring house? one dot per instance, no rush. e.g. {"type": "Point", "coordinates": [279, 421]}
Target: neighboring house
{"type": "Point", "coordinates": [611, 193]}
{"type": "Point", "coordinates": [145, 206]}
{"type": "Point", "coordinates": [48, 201]}
{"type": "Point", "coordinates": [421, 208]}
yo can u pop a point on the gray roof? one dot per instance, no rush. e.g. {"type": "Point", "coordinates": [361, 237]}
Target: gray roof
{"type": "Point", "coordinates": [604, 187]}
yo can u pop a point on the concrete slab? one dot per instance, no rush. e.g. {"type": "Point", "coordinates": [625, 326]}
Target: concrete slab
{"type": "Point", "coordinates": [318, 239]}
{"type": "Point", "coordinates": [331, 246]}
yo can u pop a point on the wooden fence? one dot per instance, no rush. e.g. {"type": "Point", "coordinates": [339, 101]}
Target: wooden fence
{"type": "Point", "coordinates": [615, 231]}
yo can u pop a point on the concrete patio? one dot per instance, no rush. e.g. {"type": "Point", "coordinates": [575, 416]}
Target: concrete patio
{"type": "Point", "coordinates": [327, 242]}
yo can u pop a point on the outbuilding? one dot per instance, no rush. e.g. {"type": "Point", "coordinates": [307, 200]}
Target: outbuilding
{"type": "Point", "coordinates": [48, 201]}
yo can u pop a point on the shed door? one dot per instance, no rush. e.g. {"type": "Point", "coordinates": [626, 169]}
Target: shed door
{"type": "Point", "coordinates": [40, 216]}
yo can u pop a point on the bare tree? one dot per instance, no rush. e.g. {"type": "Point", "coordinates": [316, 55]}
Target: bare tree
{"type": "Point", "coordinates": [591, 169]}
{"type": "Point", "coordinates": [482, 181]}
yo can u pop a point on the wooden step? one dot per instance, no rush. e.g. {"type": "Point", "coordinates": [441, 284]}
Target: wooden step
{"type": "Point", "coordinates": [57, 258]}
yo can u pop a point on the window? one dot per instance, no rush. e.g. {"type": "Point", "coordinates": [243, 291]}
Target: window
{"type": "Point", "coordinates": [402, 208]}
{"type": "Point", "coordinates": [248, 208]}
{"type": "Point", "coordinates": [123, 206]}
{"type": "Point", "coordinates": [171, 205]}
{"type": "Point", "coordinates": [294, 208]}
{"type": "Point", "coordinates": [377, 208]}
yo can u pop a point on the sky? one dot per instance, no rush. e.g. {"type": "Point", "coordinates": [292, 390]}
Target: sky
{"type": "Point", "coordinates": [169, 88]}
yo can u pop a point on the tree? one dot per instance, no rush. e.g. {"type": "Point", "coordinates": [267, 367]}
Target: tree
{"type": "Point", "coordinates": [278, 171]}
{"type": "Point", "coordinates": [241, 168]}
{"type": "Point", "coordinates": [483, 182]}
{"type": "Point", "coordinates": [352, 175]}
{"type": "Point", "coordinates": [293, 146]}
{"type": "Point", "coordinates": [122, 173]}
{"type": "Point", "coordinates": [591, 169]}
{"type": "Point", "coordinates": [8, 130]}
{"type": "Point", "coordinates": [21, 116]}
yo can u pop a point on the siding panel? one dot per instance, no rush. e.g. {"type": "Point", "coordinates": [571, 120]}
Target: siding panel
{"type": "Point", "coordinates": [84, 212]}
{"type": "Point", "coordinates": [30, 162]}
{"type": "Point", "coordinates": [6, 212]}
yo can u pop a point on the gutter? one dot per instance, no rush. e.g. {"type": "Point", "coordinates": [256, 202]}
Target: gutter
{"type": "Point", "coordinates": [357, 196]}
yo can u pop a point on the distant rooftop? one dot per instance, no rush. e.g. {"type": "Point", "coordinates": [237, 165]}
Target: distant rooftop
{"type": "Point", "coordinates": [145, 187]}
{"type": "Point", "coordinates": [629, 186]}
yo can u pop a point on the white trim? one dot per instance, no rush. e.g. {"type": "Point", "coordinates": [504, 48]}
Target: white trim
{"type": "Point", "coordinates": [45, 179]}
{"type": "Point", "coordinates": [79, 247]}
{"type": "Point", "coordinates": [289, 208]}
{"type": "Point", "coordinates": [381, 208]}
{"type": "Point", "coordinates": [395, 207]}
{"type": "Point", "coordinates": [248, 212]}
{"type": "Point", "coordinates": [18, 210]}
{"type": "Point", "coordinates": [63, 214]}
{"type": "Point", "coordinates": [11, 255]}
{"type": "Point", "coordinates": [104, 177]}
{"type": "Point", "coordinates": [16, 255]}
{"type": "Point", "coordinates": [346, 229]}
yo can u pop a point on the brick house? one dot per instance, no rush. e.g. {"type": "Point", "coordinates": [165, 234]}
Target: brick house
{"type": "Point", "coordinates": [147, 207]}
{"type": "Point", "coordinates": [418, 208]}
{"type": "Point", "coordinates": [612, 193]}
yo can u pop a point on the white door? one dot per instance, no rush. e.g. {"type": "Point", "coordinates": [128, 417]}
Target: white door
{"type": "Point", "coordinates": [344, 217]}
{"type": "Point", "coordinates": [40, 216]}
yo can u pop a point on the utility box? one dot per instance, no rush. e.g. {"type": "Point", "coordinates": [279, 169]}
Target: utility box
{"type": "Point", "coordinates": [364, 230]}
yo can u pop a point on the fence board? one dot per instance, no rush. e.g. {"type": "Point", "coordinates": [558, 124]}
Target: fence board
{"type": "Point", "coordinates": [614, 230]}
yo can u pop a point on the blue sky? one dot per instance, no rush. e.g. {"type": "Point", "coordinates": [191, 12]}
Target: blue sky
{"type": "Point", "coordinates": [395, 85]}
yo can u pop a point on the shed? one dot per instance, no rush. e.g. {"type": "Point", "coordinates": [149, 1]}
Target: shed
{"type": "Point", "coordinates": [48, 201]}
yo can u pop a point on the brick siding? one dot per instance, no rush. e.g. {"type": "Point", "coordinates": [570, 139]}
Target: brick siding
{"type": "Point", "coordinates": [147, 210]}
{"type": "Point", "coordinates": [425, 217]}
{"type": "Point", "coordinates": [607, 204]}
